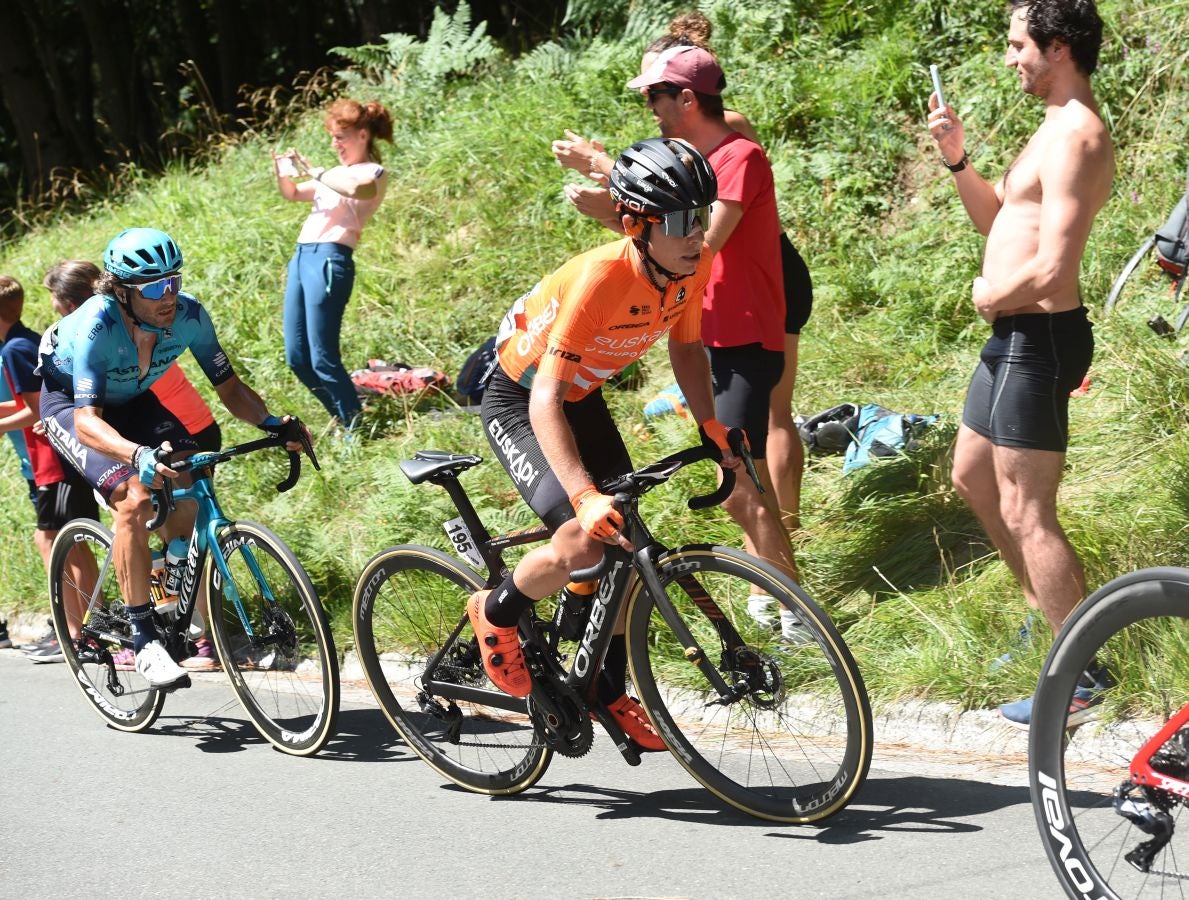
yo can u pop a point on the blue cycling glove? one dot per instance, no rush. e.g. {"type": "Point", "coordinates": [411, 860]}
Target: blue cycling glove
{"type": "Point", "coordinates": [146, 465]}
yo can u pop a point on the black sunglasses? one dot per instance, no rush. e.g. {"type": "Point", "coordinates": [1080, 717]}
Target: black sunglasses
{"type": "Point", "coordinates": [649, 93]}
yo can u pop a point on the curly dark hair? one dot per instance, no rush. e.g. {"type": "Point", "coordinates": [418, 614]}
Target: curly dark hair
{"type": "Point", "coordinates": [1074, 22]}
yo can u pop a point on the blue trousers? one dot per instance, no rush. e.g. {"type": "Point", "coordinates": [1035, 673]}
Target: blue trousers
{"type": "Point", "coordinates": [320, 280]}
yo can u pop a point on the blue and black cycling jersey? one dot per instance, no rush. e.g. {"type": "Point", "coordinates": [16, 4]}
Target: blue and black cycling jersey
{"type": "Point", "coordinates": [91, 356]}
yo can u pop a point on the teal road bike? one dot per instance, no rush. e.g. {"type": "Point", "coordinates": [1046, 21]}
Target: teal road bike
{"type": "Point", "coordinates": [270, 631]}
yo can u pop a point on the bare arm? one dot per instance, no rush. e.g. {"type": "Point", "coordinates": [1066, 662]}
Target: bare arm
{"type": "Point", "coordinates": [595, 202]}
{"type": "Point", "coordinates": [981, 199]}
{"type": "Point", "coordinates": [727, 214]}
{"type": "Point", "coordinates": [1075, 178]}
{"type": "Point", "coordinates": [241, 401]}
{"type": "Point", "coordinates": [736, 121]}
{"type": "Point", "coordinates": [554, 433]}
{"type": "Point", "coordinates": [98, 435]}
{"type": "Point", "coordinates": [15, 417]}
{"type": "Point", "coordinates": [341, 180]}
{"type": "Point", "coordinates": [289, 188]}
{"type": "Point", "coordinates": [691, 368]}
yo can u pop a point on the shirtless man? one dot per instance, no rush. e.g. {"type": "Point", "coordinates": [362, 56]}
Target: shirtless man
{"type": "Point", "coordinates": [1011, 445]}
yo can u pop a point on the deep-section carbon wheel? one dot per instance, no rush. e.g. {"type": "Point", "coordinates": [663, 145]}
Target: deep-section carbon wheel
{"type": "Point", "coordinates": [273, 640]}
{"type": "Point", "coordinates": [92, 628]}
{"type": "Point", "coordinates": [422, 662]}
{"type": "Point", "coordinates": [785, 734]}
{"type": "Point", "coordinates": [1116, 676]}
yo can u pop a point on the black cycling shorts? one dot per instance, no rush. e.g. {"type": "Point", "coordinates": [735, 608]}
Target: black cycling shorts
{"type": "Point", "coordinates": [743, 381]}
{"type": "Point", "coordinates": [1019, 395]}
{"type": "Point", "coordinates": [62, 501]}
{"type": "Point", "coordinates": [798, 287]}
{"type": "Point", "coordinates": [142, 419]}
{"type": "Point", "coordinates": [506, 423]}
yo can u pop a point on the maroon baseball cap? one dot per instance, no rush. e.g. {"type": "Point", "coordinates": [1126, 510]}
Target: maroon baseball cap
{"type": "Point", "coordinates": [685, 67]}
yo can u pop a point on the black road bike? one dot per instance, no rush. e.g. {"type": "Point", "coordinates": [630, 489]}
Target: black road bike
{"type": "Point", "coordinates": [269, 628]}
{"type": "Point", "coordinates": [782, 731]}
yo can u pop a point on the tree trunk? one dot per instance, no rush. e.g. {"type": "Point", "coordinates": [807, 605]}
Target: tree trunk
{"type": "Point", "coordinates": [44, 144]}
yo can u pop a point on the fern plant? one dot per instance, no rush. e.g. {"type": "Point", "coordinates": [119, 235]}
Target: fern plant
{"type": "Point", "coordinates": [452, 48]}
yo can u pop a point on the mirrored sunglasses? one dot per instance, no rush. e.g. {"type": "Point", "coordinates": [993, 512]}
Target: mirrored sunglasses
{"type": "Point", "coordinates": [681, 222]}
{"type": "Point", "coordinates": [155, 290]}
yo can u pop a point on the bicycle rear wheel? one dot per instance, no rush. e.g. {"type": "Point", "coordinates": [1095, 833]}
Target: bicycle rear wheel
{"type": "Point", "coordinates": [273, 640]}
{"type": "Point", "coordinates": [89, 619]}
{"type": "Point", "coordinates": [1091, 813]}
{"type": "Point", "coordinates": [422, 662]}
{"type": "Point", "coordinates": [792, 741]}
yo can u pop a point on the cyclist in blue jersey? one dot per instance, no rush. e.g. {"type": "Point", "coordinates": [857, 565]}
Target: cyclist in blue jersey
{"type": "Point", "coordinates": [97, 366]}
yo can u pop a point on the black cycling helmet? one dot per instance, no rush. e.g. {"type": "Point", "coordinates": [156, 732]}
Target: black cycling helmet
{"type": "Point", "coordinates": [662, 175]}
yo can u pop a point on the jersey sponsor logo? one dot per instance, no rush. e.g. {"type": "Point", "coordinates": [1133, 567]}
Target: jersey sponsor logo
{"type": "Point", "coordinates": [108, 478]}
{"type": "Point", "coordinates": [66, 443]}
{"type": "Point", "coordinates": [537, 324]}
{"type": "Point", "coordinates": [516, 461]}
{"type": "Point", "coordinates": [627, 325]}
{"type": "Point", "coordinates": [644, 310]}
{"type": "Point", "coordinates": [680, 298]}
{"type": "Point", "coordinates": [84, 384]}
{"type": "Point", "coordinates": [553, 350]}
{"type": "Point", "coordinates": [95, 330]}
{"type": "Point", "coordinates": [641, 341]}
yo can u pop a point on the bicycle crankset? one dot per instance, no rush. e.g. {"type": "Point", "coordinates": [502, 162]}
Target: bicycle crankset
{"type": "Point", "coordinates": [556, 710]}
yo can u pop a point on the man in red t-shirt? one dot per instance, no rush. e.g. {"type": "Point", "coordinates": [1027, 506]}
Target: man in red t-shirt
{"type": "Point", "coordinates": [743, 316]}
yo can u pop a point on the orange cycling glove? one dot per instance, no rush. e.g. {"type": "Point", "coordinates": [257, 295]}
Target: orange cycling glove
{"type": "Point", "coordinates": [597, 513]}
{"type": "Point", "coordinates": [716, 431]}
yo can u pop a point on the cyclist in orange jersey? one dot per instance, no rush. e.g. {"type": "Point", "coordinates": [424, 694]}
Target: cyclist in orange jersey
{"type": "Point", "coordinates": [543, 409]}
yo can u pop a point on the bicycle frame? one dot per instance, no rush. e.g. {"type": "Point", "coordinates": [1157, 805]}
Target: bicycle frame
{"type": "Point", "coordinates": [607, 605]}
{"type": "Point", "coordinates": [1142, 772]}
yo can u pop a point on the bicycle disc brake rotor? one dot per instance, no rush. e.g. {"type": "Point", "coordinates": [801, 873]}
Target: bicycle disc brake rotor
{"type": "Point", "coordinates": [560, 721]}
{"type": "Point", "coordinates": [764, 681]}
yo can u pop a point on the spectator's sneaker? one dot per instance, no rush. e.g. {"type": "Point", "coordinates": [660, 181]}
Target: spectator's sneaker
{"type": "Point", "coordinates": [763, 610]}
{"type": "Point", "coordinates": [203, 659]}
{"type": "Point", "coordinates": [124, 659]}
{"type": "Point", "coordinates": [156, 666]}
{"type": "Point", "coordinates": [632, 719]}
{"type": "Point", "coordinates": [792, 631]}
{"type": "Point", "coordinates": [5, 640]}
{"type": "Point", "coordinates": [50, 635]}
{"type": "Point", "coordinates": [503, 660]}
{"type": "Point", "coordinates": [1023, 641]}
{"type": "Point", "coordinates": [1089, 693]}
{"type": "Point", "coordinates": [49, 652]}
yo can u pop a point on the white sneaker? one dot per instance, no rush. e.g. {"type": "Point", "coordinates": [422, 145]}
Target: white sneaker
{"type": "Point", "coordinates": [156, 666]}
{"type": "Point", "coordinates": [792, 631]}
{"type": "Point", "coordinates": [762, 609]}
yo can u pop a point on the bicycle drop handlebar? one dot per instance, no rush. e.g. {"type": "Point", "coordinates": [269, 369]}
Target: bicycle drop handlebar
{"type": "Point", "coordinates": [163, 496]}
{"type": "Point", "coordinates": [634, 484]}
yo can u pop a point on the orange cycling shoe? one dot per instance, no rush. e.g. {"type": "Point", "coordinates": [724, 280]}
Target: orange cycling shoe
{"type": "Point", "coordinates": [632, 719]}
{"type": "Point", "coordinates": [503, 660]}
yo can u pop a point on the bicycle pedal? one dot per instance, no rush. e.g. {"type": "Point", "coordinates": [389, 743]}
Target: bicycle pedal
{"type": "Point", "coordinates": [183, 682]}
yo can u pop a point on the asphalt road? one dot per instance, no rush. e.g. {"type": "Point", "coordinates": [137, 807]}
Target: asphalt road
{"type": "Point", "coordinates": [200, 806]}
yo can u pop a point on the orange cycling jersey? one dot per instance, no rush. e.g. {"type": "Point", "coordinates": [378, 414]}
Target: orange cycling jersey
{"type": "Point", "coordinates": [596, 315]}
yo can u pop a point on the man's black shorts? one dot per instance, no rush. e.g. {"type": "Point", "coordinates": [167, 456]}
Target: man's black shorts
{"type": "Point", "coordinates": [1019, 395]}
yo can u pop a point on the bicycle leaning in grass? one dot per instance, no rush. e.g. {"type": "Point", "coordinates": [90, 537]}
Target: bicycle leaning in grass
{"type": "Point", "coordinates": [1108, 751]}
{"type": "Point", "coordinates": [779, 730]}
{"type": "Point", "coordinates": [270, 631]}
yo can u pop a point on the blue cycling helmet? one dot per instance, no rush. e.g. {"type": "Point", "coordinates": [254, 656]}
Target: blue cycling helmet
{"type": "Point", "coordinates": [139, 253]}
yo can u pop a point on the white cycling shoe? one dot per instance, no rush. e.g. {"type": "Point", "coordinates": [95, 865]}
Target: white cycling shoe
{"type": "Point", "coordinates": [156, 666]}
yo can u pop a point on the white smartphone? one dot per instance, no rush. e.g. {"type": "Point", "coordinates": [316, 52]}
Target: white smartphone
{"type": "Point", "coordinates": [937, 86]}
{"type": "Point", "coordinates": [285, 167]}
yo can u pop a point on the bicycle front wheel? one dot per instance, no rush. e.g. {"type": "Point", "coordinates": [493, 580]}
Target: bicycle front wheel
{"type": "Point", "coordinates": [273, 640]}
{"type": "Point", "coordinates": [1102, 822]}
{"type": "Point", "coordinates": [422, 662]}
{"type": "Point", "coordinates": [93, 629]}
{"type": "Point", "coordinates": [780, 730]}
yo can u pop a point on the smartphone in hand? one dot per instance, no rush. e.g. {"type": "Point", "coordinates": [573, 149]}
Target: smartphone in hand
{"type": "Point", "coordinates": [285, 166]}
{"type": "Point", "coordinates": [937, 86]}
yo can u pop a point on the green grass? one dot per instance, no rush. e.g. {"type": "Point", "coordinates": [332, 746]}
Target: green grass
{"type": "Point", "coordinates": [475, 215]}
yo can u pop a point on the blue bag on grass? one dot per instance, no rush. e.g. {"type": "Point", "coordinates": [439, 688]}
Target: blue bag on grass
{"type": "Point", "coordinates": [882, 433]}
